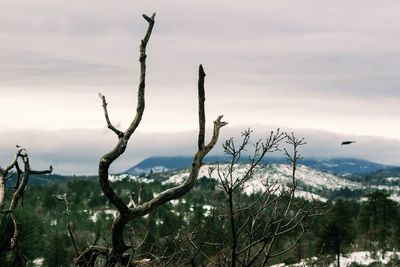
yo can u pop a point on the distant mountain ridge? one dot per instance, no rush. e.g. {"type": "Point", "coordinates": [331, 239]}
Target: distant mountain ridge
{"type": "Point", "coordinates": [350, 168]}
{"type": "Point", "coordinates": [378, 176]}
{"type": "Point", "coordinates": [345, 166]}
{"type": "Point", "coordinates": [337, 166]}
{"type": "Point", "coordinates": [161, 164]}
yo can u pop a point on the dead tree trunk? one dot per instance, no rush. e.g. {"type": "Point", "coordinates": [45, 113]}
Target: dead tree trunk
{"type": "Point", "coordinates": [4, 176]}
{"type": "Point", "coordinates": [127, 214]}
{"type": "Point", "coordinates": [20, 189]}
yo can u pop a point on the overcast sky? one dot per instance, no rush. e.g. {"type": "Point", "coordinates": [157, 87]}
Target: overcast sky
{"type": "Point", "coordinates": [329, 70]}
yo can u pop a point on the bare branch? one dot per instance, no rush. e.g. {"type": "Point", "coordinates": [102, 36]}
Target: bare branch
{"type": "Point", "coordinates": [294, 243]}
{"type": "Point", "coordinates": [64, 199]}
{"type": "Point", "coordinates": [12, 164]}
{"type": "Point", "coordinates": [109, 124]}
{"type": "Point", "coordinates": [18, 194]}
{"type": "Point", "coordinates": [3, 176]}
{"type": "Point", "coordinates": [14, 239]}
{"type": "Point", "coordinates": [132, 203]}
{"type": "Point", "coordinates": [202, 115]}
{"type": "Point", "coordinates": [120, 147]}
{"type": "Point", "coordinates": [150, 20]}
{"type": "Point", "coordinates": [140, 202]}
{"type": "Point", "coordinates": [9, 176]}
{"type": "Point", "coordinates": [89, 255]}
{"type": "Point", "coordinates": [48, 171]}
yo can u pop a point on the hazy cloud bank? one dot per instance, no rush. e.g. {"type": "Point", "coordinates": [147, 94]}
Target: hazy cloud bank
{"type": "Point", "coordinates": [76, 151]}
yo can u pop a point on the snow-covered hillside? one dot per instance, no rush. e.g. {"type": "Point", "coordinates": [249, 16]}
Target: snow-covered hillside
{"type": "Point", "coordinates": [312, 184]}
{"type": "Point", "coordinates": [338, 166]}
{"type": "Point", "coordinates": [308, 178]}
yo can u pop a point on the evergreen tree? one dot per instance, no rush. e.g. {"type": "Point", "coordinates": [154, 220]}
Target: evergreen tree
{"type": "Point", "coordinates": [377, 219]}
{"type": "Point", "coordinates": [337, 230]}
{"type": "Point", "coordinates": [56, 254]}
{"type": "Point", "coordinates": [28, 242]}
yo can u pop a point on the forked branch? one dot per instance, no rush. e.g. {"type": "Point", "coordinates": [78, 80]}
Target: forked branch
{"type": "Point", "coordinates": [4, 176]}
{"type": "Point", "coordinates": [128, 213]}
{"type": "Point", "coordinates": [109, 124]}
{"type": "Point", "coordinates": [179, 191]}
{"type": "Point", "coordinates": [64, 199]}
{"type": "Point", "coordinates": [123, 137]}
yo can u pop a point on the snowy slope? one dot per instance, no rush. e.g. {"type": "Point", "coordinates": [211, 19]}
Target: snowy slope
{"type": "Point", "coordinates": [312, 184]}
{"type": "Point", "coordinates": [280, 173]}
{"type": "Point", "coordinates": [337, 166]}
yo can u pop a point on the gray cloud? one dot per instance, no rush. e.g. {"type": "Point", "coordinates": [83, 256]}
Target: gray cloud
{"type": "Point", "coordinates": [303, 64]}
{"type": "Point", "coordinates": [307, 45]}
{"type": "Point", "coordinates": [76, 151]}
{"type": "Point", "coordinates": [33, 68]}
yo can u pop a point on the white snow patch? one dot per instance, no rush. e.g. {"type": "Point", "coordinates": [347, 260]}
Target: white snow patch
{"type": "Point", "coordinates": [159, 169]}
{"type": "Point", "coordinates": [365, 258]}
{"type": "Point", "coordinates": [123, 176]}
{"type": "Point", "coordinates": [386, 187]}
{"type": "Point", "coordinates": [208, 209]}
{"type": "Point", "coordinates": [154, 169]}
{"type": "Point", "coordinates": [94, 217]}
{"type": "Point", "coordinates": [175, 212]}
{"type": "Point", "coordinates": [38, 262]}
{"type": "Point", "coordinates": [395, 197]}
{"type": "Point", "coordinates": [174, 202]}
{"type": "Point", "coordinates": [360, 257]}
{"type": "Point", "coordinates": [393, 179]}
{"type": "Point", "coordinates": [309, 196]}
{"type": "Point", "coordinates": [176, 179]}
{"type": "Point", "coordinates": [117, 177]}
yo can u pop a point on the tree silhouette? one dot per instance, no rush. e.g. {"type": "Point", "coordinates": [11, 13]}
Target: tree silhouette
{"type": "Point", "coordinates": [14, 229]}
{"type": "Point", "coordinates": [249, 230]}
{"type": "Point", "coordinates": [120, 252]}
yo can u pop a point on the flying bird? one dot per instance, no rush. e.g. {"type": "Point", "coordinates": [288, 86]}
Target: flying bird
{"type": "Point", "coordinates": [347, 142]}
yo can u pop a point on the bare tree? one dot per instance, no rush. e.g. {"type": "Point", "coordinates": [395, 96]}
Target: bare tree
{"type": "Point", "coordinates": [120, 252]}
{"type": "Point", "coordinates": [5, 175]}
{"type": "Point", "coordinates": [64, 198]}
{"type": "Point", "coordinates": [13, 169]}
{"type": "Point", "coordinates": [253, 229]}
